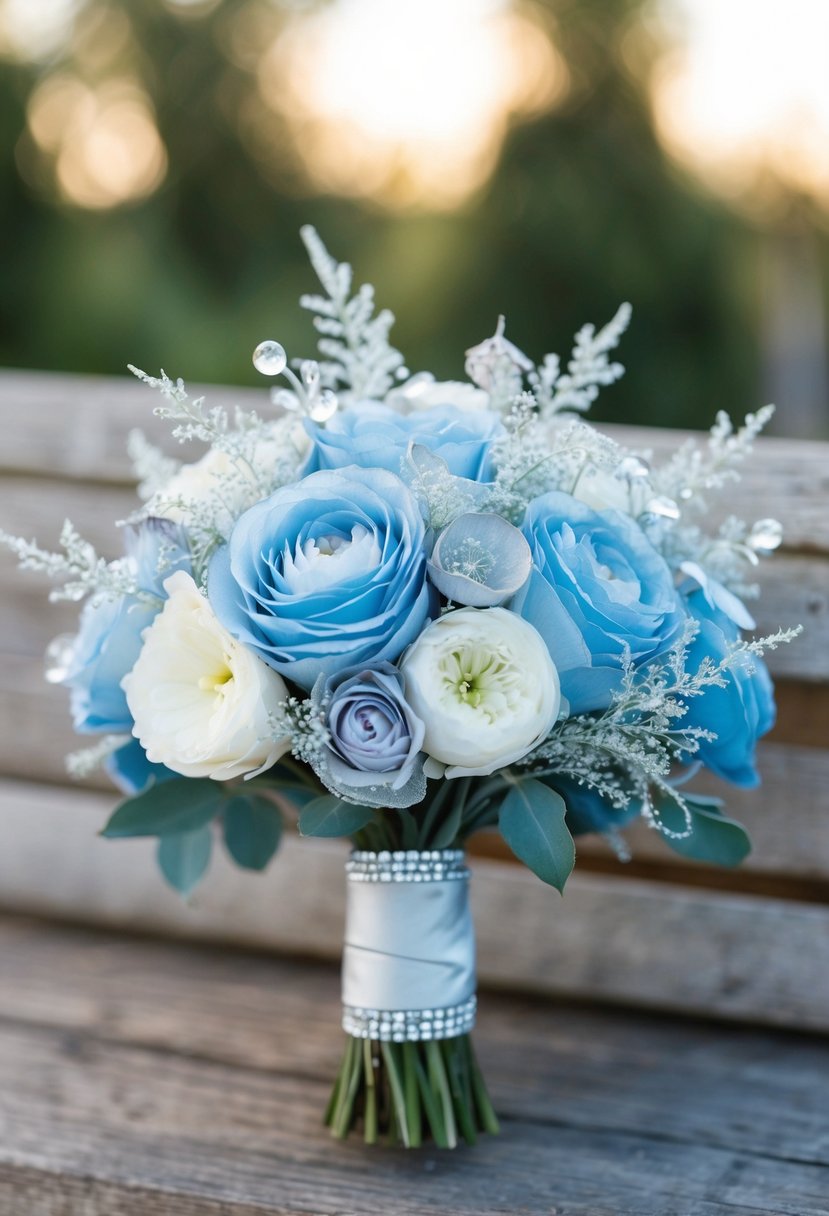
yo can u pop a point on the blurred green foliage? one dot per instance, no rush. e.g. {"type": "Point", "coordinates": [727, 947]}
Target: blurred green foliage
{"type": "Point", "coordinates": [584, 210]}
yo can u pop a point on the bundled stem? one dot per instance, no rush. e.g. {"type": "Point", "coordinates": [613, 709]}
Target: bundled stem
{"type": "Point", "coordinates": [408, 1092]}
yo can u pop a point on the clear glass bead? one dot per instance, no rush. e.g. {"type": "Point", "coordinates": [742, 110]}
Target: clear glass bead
{"type": "Point", "coordinates": [269, 358]}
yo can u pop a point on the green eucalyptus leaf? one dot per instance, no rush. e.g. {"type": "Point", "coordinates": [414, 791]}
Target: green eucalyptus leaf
{"type": "Point", "coordinates": [330, 816]}
{"type": "Point", "coordinates": [532, 822]}
{"type": "Point", "coordinates": [184, 857]}
{"type": "Point", "coordinates": [183, 804]}
{"type": "Point", "coordinates": [252, 828]}
{"type": "Point", "coordinates": [714, 838]}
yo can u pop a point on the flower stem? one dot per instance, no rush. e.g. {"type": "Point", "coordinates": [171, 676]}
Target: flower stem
{"type": "Point", "coordinates": [370, 1113]}
{"type": "Point", "coordinates": [410, 1092]}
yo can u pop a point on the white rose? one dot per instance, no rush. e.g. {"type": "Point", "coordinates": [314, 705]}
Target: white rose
{"type": "Point", "coordinates": [228, 486]}
{"type": "Point", "coordinates": [201, 701]}
{"type": "Point", "coordinates": [422, 393]}
{"type": "Point", "coordinates": [601, 489]}
{"type": "Point", "coordinates": [483, 682]}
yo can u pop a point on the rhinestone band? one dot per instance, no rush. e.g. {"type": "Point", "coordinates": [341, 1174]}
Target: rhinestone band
{"type": "Point", "coordinates": [412, 1025]}
{"type": "Point", "coordinates": [407, 865]}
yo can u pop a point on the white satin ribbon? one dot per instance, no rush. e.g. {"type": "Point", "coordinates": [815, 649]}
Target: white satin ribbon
{"type": "Point", "coordinates": [409, 955]}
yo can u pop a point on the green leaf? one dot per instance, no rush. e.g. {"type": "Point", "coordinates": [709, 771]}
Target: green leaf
{"type": "Point", "coordinates": [183, 858]}
{"type": "Point", "coordinates": [252, 828]}
{"type": "Point", "coordinates": [445, 835]}
{"type": "Point", "coordinates": [532, 823]}
{"type": "Point", "coordinates": [181, 805]}
{"type": "Point", "coordinates": [330, 816]}
{"type": "Point", "coordinates": [715, 838]}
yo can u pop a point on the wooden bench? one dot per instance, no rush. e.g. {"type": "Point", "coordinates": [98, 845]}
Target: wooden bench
{"type": "Point", "coordinates": [655, 1046]}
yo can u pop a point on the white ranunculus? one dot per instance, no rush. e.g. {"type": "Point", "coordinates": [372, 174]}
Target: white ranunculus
{"type": "Point", "coordinates": [422, 392]}
{"type": "Point", "coordinates": [201, 701]}
{"type": "Point", "coordinates": [227, 487]}
{"type": "Point", "coordinates": [601, 489]}
{"type": "Point", "coordinates": [484, 684]}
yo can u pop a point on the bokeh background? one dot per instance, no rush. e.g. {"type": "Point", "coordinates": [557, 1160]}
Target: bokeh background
{"type": "Point", "coordinates": [547, 160]}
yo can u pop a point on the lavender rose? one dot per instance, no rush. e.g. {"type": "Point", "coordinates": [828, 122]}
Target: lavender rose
{"type": "Point", "coordinates": [375, 738]}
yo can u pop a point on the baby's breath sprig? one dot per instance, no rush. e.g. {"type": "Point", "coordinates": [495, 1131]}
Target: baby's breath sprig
{"type": "Point", "coordinates": [83, 572]}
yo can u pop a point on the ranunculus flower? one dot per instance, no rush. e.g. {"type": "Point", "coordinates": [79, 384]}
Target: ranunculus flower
{"type": "Point", "coordinates": [326, 574]}
{"type": "Point", "coordinates": [202, 703]}
{"type": "Point", "coordinates": [197, 484]}
{"type": "Point", "coordinates": [483, 682]}
{"type": "Point", "coordinates": [603, 489]}
{"type": "Point", "coordinates": [423, 392]}
{"type": "Point", "coordinates": [108, 642]}
{"type": "Point", "coordinates": [739, 713]}
{"type": "Point", "coordinates": [375, 737]}
{"type": "Point", "coordinates": [374, 436]}
{"type": "Point", "coordinates": [598, 590]}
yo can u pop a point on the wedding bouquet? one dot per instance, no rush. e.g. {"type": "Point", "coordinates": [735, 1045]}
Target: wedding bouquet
{"type": "Point", "coordinates": [404, 611]}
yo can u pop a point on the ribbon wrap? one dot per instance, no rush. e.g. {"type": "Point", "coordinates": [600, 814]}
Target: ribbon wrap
{"type": "Point", "coordinates": [409, 955]}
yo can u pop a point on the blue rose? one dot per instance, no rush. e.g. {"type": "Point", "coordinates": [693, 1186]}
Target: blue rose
{"type": "Point", "coordinates": [374, 436]}
{"type": "Point", "coordinates": [598, 590]}
{"type": "Point", "coordinates": [375, 737]}
{"type": "Point", "coordinates": [740, 712]}
{"type": "Point", "coordinates": [587, 810]}
{"type": "Point", "coordinates": [132, 772]}
{"type": "Point", "coordinates": [326, 574]}
{"type": "Point", "coordinates": [109, 639]}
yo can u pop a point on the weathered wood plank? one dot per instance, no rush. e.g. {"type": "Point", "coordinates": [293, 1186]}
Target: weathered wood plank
{"type": "Point", "coordinates": [648, 943]}
{"type": "Point", "coordinates": [155, 1077]}
{"type": "Point", "coordinates": [202, 1138]}
{"type": "Point", "coordinates": [795, 590]}
{"type": "Point", "coordinates": [76, 426]}
{"type": "Point", "coordinates": [230, 1007]}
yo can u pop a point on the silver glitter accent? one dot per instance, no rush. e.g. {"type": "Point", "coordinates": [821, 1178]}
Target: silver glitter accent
{"type": "Point", "coordinates": [410, 1025]}
{"type": "Point", "coordinates": [407, 865]}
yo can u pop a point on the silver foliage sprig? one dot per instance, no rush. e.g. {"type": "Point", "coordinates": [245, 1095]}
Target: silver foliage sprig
{"type": "Point", "coordinates": [301, 719]}
{"type": "Point", "coordinates": [531, 458]}
{"type": "Point", "coordinates": [88, 760]}
{"type": "Point", "coordinates": [631, 747]}
{"type": "Point", "coordinates": [79, 567]}
{"type": "Point", "coordinates": [151, 467]}
{"type": "Point", "coordinates": [588, 370]}
{"type": "Point", "coordinates": [354, 343]}
{"type": "Point", "coordinates": [697, 468]}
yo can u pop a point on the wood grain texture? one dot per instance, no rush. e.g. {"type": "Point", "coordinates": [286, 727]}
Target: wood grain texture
{"type": "Point", "coordinates": [142, 1078]}
{"type": "Point", "coordinates": [648, 943]}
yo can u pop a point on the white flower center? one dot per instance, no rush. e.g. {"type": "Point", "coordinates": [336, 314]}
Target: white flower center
{"type": "Point", "coordinates": [330, 559]}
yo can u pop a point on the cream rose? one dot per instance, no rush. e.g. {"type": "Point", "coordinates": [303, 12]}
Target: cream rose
{"type": "Point", "coordinates": [201, 701]}
{"type": "Point", "coordinates": [484, 684]}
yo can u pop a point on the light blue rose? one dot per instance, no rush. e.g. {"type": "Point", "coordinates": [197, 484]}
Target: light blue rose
{"type": "Point", "coordinates": [132, 772]}
{"type": "Point", "coordinates": [740, 712]}
{"type": "Point", "coordinates": [109, 639]}
{"type": "Point", "coordinates": [374, 436]}
{"type": "Point", "coordinates": [598, 590]}
{"type": "Point", "coordinates": [375, 737]}
{"type": "Point", "coordinates": [326, 574]}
